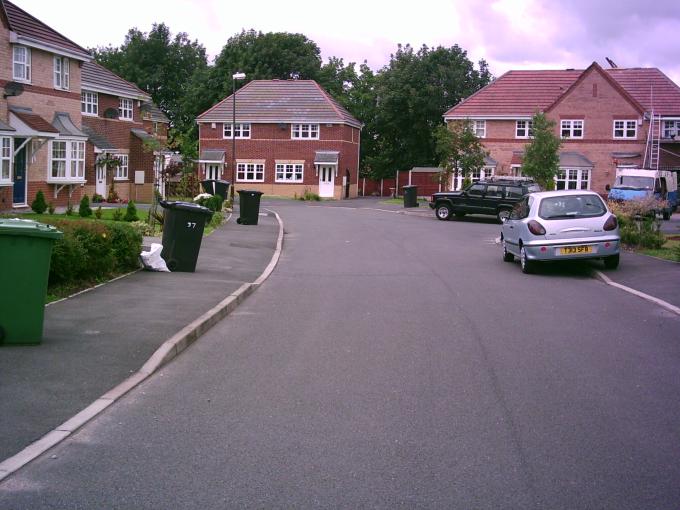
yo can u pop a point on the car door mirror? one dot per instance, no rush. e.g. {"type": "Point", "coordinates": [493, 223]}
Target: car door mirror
{"type": "Point", "coordinates": [608, 187]}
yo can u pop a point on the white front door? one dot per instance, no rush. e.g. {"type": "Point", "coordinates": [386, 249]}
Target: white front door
{"type": "Point", "coordinates": [212, 172]}
{"type": "Point", "coordinates": [326, 181]}
{"type": "Point", "coordinates": [100, 186]}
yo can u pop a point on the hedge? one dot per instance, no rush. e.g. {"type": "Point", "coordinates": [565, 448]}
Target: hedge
{"type": "Point", "coordinates": [92, 251]}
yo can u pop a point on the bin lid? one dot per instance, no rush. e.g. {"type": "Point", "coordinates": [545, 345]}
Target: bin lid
{"type": "Point", "coordinates": [410, 186]}
{"type": "Point", "coordinates": [27, 228]}
{"type": "Point", "coordinates": [250, 192]}
{"type": "Point", "coordinates": [185, 206]}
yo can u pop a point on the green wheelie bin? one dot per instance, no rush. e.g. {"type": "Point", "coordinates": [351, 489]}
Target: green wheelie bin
{"type": "Point", "coordinates": [249, 207]}
{"type": "Point", "coordinates": [25, 253]}
{"type": "Point", "coordinates": [183, 226]}
{"type": "Point", "coordinates": [410, 196]}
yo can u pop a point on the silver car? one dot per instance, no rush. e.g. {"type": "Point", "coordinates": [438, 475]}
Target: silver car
{"type": "Point", "coordinates": [561, 225]}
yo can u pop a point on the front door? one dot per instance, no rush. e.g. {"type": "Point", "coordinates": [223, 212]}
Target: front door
{"type": "Point", "coordinates": [212, 172]}
{"type": "Point", "coordinates": [326, 184]}
{"type": "Point", "coordinates": [19, 195]}
{"type": "Point", "coordinates": [100, 186]}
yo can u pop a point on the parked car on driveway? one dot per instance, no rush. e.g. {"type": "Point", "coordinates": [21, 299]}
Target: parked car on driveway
{"type": "Point", "coordinates": [561, 225]}
{"type": "Point", "coordinates": [494, 197]}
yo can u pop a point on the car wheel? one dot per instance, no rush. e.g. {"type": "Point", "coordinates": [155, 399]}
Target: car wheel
{"type": "Point", "coordinates": [527, 265]}
{"type": "Point", "coordinates": [507, 256]}
{"type": "Point", "coordinates": [611, 262]}
{"type": "Point", "coordinates": [443, 212]}
{"type": "Point", "coordinates": [666, 215]}
{"type": "Point", "coordinates": [503, 215]}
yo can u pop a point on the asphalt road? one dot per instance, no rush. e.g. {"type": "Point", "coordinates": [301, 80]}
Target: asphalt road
{"type": "Point", "coordinates": [394, 361]}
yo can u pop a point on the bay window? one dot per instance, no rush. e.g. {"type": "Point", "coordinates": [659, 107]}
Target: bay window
{"type": "Point", "coordinates": [5, 159]}
{"type": "Point", "coordinates": [67, 161]}
{"type": "Point", "coordinates": [572, 178]}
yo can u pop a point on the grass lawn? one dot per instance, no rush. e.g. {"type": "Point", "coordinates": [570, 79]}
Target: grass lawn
{"type": "Point", "coordinates": [400, 201]}
{"type": "Point", "coordinates": [669, 251]}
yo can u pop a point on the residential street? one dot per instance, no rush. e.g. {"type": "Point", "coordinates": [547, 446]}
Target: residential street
{"type": "Point", "coordinates": [393, 361]}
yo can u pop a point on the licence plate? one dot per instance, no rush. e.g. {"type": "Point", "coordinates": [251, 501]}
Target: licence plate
{"type": "Point", "coordinates": [574, 250]}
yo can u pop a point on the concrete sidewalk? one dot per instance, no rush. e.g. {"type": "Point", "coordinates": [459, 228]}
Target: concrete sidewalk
{"type": "Point", "coordinates": [95, 340]}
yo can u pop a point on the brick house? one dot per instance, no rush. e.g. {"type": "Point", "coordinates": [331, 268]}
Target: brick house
{"type": "Point", "coordinates": [291, 136]}
{"type": "Point", "coordinates": [603, 116]}
{"type": "Point", "coordinates": [121, 122]}
{"type": "Point", "coordinates": [60, 111]}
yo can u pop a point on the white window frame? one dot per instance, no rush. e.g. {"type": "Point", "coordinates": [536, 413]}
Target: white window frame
{"type": "Point", "coordinates": [304, 131]}
{"type": "Point", "coordinates": [292, 169]}
{"type": "Point", "coordinates": [624, 129]}
{"type": "Point", "coordinates": [61, 73]}
{"type": "Point", "coordinates": [527, 129]}
{"type": "Point", "coordinates": [125, 109]}
{"type": "Point", "coordinates": [247, 171]}
{"type": "Point", "coordinates": [241, 130]}
{"type": "Point", "coordinates": [6, 151]}
{"type": "Point", "coordinates": [71, 163]}
{"type": "Point", "coordinates": [671, 128]}
{"type": "Point", "coordinates": [571, 126]}
{"type": "Point", "coordinates": [479, 128]}
{"type": "Point", "coordinates": [89, 103]}
{"type": "Point", "coordinates": [573, 178]}
{"type": "Point", "coordinates": [516, 170]}
{"type": "Point", "coordinates": [25, 64]}
{"type": "Point", "coordinates": [120, 172]}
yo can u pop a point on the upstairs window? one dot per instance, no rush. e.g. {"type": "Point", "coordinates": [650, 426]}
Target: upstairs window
{"type": "Point", "coordinates": [305, 131]}
{"type": "Point", "coordinates": [240, 130]}
{"type": "Point", "coordinates": [571, 128]}
{"type": "Point", "coordinates": [21, 63]}
{"type": "Point", "coordinates": [625, 129]}
{"type": "Point", "coordinates": [89, 103]}
{"type": "Point", "coordinates": [671, 129]}
{"type": "Point", "coordinates": [124, 108]}
{"type": "Point", "coordinates": [479, 128]}
{"type": "Point", "coordinates": [61, 73]}
{"type": "Point", "coordinates": [524, 129]}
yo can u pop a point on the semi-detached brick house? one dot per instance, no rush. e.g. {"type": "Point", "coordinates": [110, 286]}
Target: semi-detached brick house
{"type": "Point", "coordinates": [291, 137]}
{"type": "Point", "coordinates": [603, 117]}
{"type": "Point", "coordinates": [122, 123]}
{"type": "Point", "coordinates": [58, 110]}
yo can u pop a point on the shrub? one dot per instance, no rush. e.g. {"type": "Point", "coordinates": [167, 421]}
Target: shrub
{"type": "Point", "coordinates": [117, 215]}
{"type": "Point", "coordinates": [676, 252]}
{"type": "Point", "coordinates": [113, 195]}
{"type": "Point", "coordinates": [637, 222]}
{"type": "Point", "coordinates": [212, 202]}
{"type": "Point", "coordinates": [39, 205]}
{"type": "Point", "coordinates": [97, 198]}
{"type": "Point", "coordinates": [98, 213]}
{"type": "Point", "coordinates": [126, 244]}
{"type": "Point", "coordinates": [84, 210]}
{"type": "Point", "coordinates": [50, 208]}
{"type": "Point", "coordinates": [131, 212]}
{"type": "Point", "coordinates": [217, 219]}
{"type": "Point", "coordinates": [69, 209]}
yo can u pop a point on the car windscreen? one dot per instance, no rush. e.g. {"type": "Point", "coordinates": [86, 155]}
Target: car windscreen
{"type": "Point", "coordinates": [634, 182]}
{"type": "Point", "coordinates": [571, 206]}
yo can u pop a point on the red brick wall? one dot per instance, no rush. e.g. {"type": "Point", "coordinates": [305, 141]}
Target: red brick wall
{"type": "Point", "coordinates": [270, 143]}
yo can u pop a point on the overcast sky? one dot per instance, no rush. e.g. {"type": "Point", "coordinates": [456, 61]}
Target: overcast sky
{"type": "Point", "coordinates": [509, 34]}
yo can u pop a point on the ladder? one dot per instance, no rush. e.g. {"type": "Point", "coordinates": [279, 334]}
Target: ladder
{"type": "Point", "coordinates": [653, 143]}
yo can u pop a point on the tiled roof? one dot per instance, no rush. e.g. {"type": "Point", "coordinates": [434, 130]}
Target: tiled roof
{"type": "Point", "coordinates": [99, 140]}
{"type": "Point", "coordinates": [426, 169]}
{"type": "Point", "coordinates": [98, 78]}
{"type": "Point", "coordinates": [34, 121]}
{"type": "Point", "coordinates": [63, 123]}
{"type": "Point", "coordinates": [330, 157]}
{"type": "Point", "coordinates": [212, 155]}
{"type": "Point", "coordinates": [142, 135]}
{"type": "Point", "coordinates": [568, 159]}
{"type": "Point", "coordinates": [521, 93]}
{"type": "Point", "coordinates": [651, 88]}
{"type": "Point", "coordinates": [284, 101]}
{"type": "Point", "coordinates": [154, 113]}
{"type": "Point", "coordinates": [25, 25]}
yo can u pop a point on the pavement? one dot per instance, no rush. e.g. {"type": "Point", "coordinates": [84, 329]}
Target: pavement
{"type": "Point", "coordinates": [101, 343]}
{"type": "Point", "coordinates": [121, 332]}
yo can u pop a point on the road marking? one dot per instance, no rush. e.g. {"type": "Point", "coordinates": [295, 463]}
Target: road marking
{"type": "Point", "coordinates": [647, 297]}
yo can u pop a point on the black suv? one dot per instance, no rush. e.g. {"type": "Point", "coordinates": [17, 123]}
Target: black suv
{"type": "Point", "coordinates": [495, 197]}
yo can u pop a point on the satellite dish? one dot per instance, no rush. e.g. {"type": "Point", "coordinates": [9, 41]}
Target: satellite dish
{"type": "Point", "coordinates": [13, 88]}
{"type": "Point", "coordinates": [111, 113]}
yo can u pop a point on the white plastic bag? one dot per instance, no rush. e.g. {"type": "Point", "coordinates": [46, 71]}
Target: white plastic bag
{"type": "Point", "coordinates": [152, 259]}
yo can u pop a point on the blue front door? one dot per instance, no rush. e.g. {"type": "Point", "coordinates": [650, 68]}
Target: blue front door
{"type": "Point", "coordinates": [19, 197]}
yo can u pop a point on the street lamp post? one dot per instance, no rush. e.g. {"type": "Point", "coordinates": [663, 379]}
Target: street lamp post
{"type": "Point", "coordinates": [235, 76]}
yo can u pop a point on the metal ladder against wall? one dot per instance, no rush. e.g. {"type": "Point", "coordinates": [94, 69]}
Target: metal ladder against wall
{"type": "Point", "coordinates": [653, 146]}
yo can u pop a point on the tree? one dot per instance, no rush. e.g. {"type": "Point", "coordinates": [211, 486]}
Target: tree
{"type": "Point", "coordinates": [412, 93]}
{"type": "Point", "coordinates": [458, 150]}
{"type": "Point", "coordinates": [162, 65]}
{"type": "Point", "coordinates": [541, 156]}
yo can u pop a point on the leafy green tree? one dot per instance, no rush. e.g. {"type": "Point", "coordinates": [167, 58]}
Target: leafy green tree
{"type": "Point", "coordinates": [39, 205]}
{"type": "Point", "coordinates": [84, 209]}
{"type": "Point", "coordinates": [162, 65]}
{"type": "Point", "coordinates": [458, 150]}
{"type": "Point", "coordinates": [541, 156]}
{"type": "Point", "coordinates": [412, 93]}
